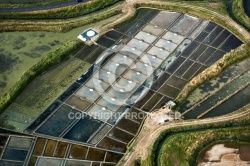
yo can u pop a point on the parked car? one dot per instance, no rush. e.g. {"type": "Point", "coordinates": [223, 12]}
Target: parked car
{"type": "Point", "coordinates": [79, 0]}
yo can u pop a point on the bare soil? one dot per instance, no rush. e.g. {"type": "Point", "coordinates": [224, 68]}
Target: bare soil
{"type": "Point", "coordinates": [221, 155]}
{"type": "Point", "coordinates": [245, 152]}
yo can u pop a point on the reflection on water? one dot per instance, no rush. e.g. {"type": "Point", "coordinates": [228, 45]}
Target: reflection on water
{"type": "Point", "coordinates": [21, 50]}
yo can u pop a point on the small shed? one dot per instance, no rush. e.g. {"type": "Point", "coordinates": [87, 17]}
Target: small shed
{"type": "Point", "coordinates": [88, 35]}
{"type": "Point", "coordinates": [170, 104]}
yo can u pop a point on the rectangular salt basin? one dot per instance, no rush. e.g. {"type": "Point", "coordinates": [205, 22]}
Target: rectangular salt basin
{"type": "Point", "coordinates": [138, 45]}
{"type": "Point", "coordinates": [137, 95]}
{"type": "Point", "coordinates": [157, 74]}
{"type": "Point", "coordinates": [58, 122]}
{"type": "Point", "coordinates": [122, 59]}
{"type": "Point", "coordinates": [135, 76]}
{"type": "Point", "coordinates": [169, 91]}
{"type": "Point", "coordinates": [97, 84]}
{"type": "Point", "coordinates": [135, 29]}
{"type": "Point", "coordinates": [131, 52]}
{"type": "Point", "coordinates": [119, 93]}
{"type": "Point", "coordinates": [19, 142]}
{"type": "Point", "coordinates": [181, 47]}
{"type": "Point", "coordinates": [165, 64]}
{"type": "Point", "coordinates": [77, 102]}
{"type": "Point", "coordinates": [77, 163]}
{"type": "Point", "coordinates": [114, 68]}
{"type": "Point", "coordinates": [198, 30]}
{"type": "Point", "coordinates": [83, 129]}
{"type": "Point", "coordinates": [120, 135]}
{"type": "Point", "coordinates": [168, 17]}
{"type": "Point", "coordinates": [153, 60]}
{"type": "Point", "coordinates": [173, 37]}
{"type": "Point", "coordinates": [101, 113]}
{"type": "Point", "coordinates": [110, 102]}
{"type": "Point", "coordinates": [143, 67]}
{"type": "Point", "coordinates": [117, 46]}
{"type": "Point", "coordinates": [87, 93]}
{"type": "Point", "coordinates": [146, 37]}
{"type": "Point", "coordinates": [152, 29]}
{"type": "Point", "coordinates": [105, 76]}
{"type": "Point", "coordinates": [161, 52]}
{"type": "Point", "coordinates": [126, 85]}
{"type": "Point", "coordinates": [101, 133]}
{"type": "Point", "coordinates": [14, 154]}
{"type": "Point", "coordinates": [185, 24]}
{"type": "Point", "coordinates": [118, 114]}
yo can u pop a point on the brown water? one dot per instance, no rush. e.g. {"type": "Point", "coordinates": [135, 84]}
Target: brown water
{"type": "Point", "coordinates": [19, 51]}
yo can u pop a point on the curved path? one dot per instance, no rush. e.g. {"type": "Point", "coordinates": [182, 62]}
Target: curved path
{"type": "Point", "coordinates": [36, 8]}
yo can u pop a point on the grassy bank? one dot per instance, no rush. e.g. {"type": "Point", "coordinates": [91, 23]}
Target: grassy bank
{"type": "Point", "coordinates": [62, 13]}
{"type": "Point", "coordinates": [59, 25]}
{"type": "Point", "coordinates": [18, 4]}
{"type": "Point", "coordinates": [183, 149]}
{"type": "Point", "coordinates": [51, 59]}
{"type": "Point", "coordinates": [239, 13]}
